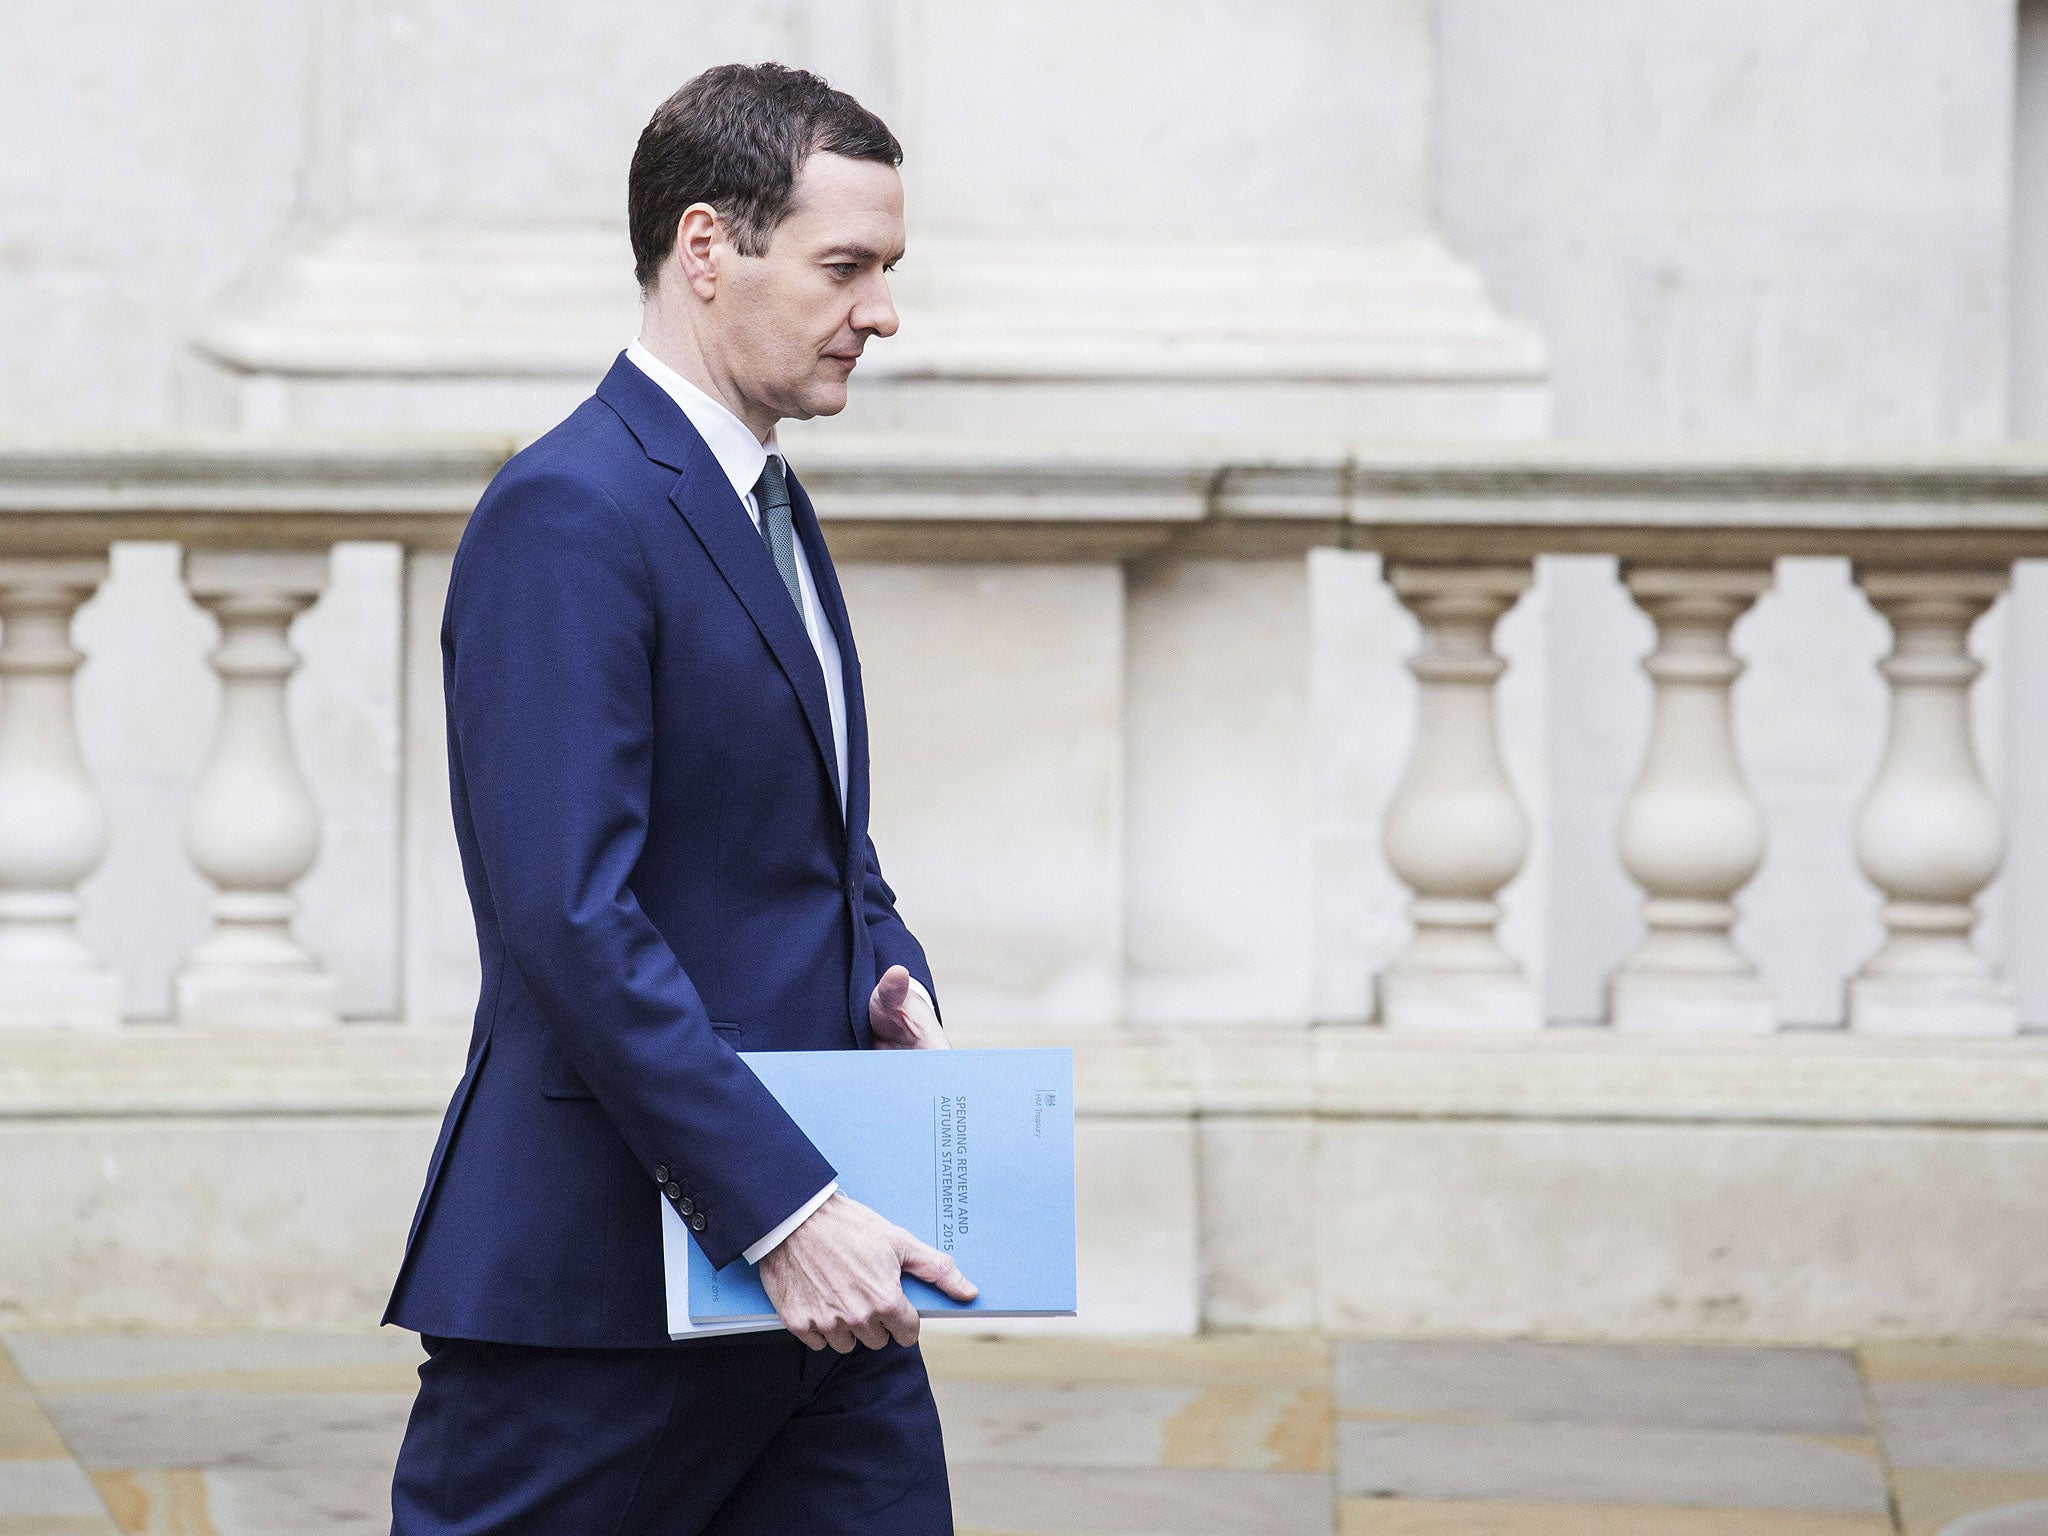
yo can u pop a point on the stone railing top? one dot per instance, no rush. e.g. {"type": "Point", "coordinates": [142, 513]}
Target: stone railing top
{"type": "Point", "coordinates": [231, 489]}
{"type": "Point", "coordinates": [903, 497]}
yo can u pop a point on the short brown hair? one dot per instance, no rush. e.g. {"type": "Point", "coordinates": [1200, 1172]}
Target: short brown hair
{"type": "Point", "coordinates": [735, 137]}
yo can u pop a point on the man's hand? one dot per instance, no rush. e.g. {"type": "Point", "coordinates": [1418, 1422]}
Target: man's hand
{"type": "Point", "coordinates": [901, 1016]}
{"type": "Point", "coordinates": [838, 1278]}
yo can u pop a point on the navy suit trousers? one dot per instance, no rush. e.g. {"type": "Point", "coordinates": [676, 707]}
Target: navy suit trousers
{"type": "Point", "coordinates": [749, 1435]}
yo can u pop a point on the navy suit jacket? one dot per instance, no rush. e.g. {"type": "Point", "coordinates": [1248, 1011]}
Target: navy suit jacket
{"type": "Point", "coordinates": [645, 799]}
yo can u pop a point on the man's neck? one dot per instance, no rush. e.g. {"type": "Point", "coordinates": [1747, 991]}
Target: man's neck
{"type": "Point", "coordinates": [674, 341]}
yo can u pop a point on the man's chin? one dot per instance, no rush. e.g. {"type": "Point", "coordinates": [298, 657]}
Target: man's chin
{"type": "Point", "coordinates": [824, 398]}
{"type": "Point", "coordinates": [829, 400]}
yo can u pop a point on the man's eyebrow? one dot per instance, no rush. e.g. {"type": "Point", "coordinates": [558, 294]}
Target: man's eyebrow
{"type": "Point", "coordinates": [852, 253]}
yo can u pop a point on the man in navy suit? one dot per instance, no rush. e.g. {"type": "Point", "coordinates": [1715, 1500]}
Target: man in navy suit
{"type": "Point", "coordinates": [658, 754]}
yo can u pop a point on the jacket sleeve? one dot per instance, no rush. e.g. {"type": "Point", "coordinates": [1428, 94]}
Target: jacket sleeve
{"type": "Point", "coordinates": [894, 943]}
{"type": "Point", "coordinates": [550, 631]}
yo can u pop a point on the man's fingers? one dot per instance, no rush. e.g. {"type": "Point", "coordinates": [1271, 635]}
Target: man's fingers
{"type": "Point", "coordinates": [874, 1333]}
{"type": "Point", "coordinates": [902, 1321]}
{"type": "Point", "coordinates": [840, 1337]}
{"type": "Point", "coordinates": [805, 1330]}
{"type": "Point", "coordinates": [936, 1268]}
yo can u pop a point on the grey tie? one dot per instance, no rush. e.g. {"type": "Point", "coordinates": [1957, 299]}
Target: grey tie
{"type": "Point", "coordinates": [771, 495]}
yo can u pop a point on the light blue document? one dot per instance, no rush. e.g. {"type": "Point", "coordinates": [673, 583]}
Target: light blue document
{"type": "Point", "coordinates": [971, 1151]}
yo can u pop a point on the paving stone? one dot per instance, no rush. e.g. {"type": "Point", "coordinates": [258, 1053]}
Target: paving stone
{"type": "Point", "coordinates": [1062, 1437]}
{"type": "Point", "coordinates": [1961, 1426]}
{"type": "Point", "coordinates": [1605, 1464]}
{"type": "Point", "coordinates": [1211, 1361]}
{"type": "Point", "coordinates": [383, 1361]}
{"type": "Point", "coordinates": [157, 1501]}
{"type": "Point", "coordinates": [25, 1430]}
{"type": "Point", "coordinates": [1460, 1517]}
{"type": "Point", "coordinates": [1931, 1500]}
{"type": "Point", "coordinates": [1985, 1364]}
{"type": "Point", "coordinates": [1807, 1391]}
{"type": "Point", "coordinates": [201, 1429]}
{"type": "Point", "coordinates": [341, 1499]}
{"type": "Point", "coordinates": [2029, 1519]}
{"type": "Point", "coordinates": [1246, 1427]}
{"type": "Point", "coordinates": [1084, 1501]}
{"type": "Point", "coordinates": [47, 1486]}
{"type": "Point", "coordinates": [1255, 1428]}
{"type": "Point", "coordinates": [1072, 1424]}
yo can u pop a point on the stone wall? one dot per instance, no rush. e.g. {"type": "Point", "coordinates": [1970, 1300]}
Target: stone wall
{"type": "Point", "coordinates": [1114, 792]}
{"type": "Point", "coordinates": [1761, 220]}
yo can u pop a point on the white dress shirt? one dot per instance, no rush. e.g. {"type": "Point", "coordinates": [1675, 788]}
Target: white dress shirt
{"type": "Point", "coordinates": [743, 456]}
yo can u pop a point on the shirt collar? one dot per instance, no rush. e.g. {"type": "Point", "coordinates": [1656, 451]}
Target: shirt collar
{"type": "Point", "coordinates": [739, 453]}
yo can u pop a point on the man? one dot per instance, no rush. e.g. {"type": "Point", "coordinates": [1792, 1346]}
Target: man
{"type": "Point", "coordinates": [658, 754]}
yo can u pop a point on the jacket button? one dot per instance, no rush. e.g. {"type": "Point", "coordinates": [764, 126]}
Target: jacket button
{"type": "Point", "coordinates": [673, 1191]}
{"type": "Point", "coordinates": [685, 1205]}
{"type": "Point", "coordinates": [661, 1174]}
{"type": "Point", "coordinates": [697, 1222]}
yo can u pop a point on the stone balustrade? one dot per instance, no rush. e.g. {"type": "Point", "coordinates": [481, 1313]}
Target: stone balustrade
{"type": "Point", "coordinates": [1257, 828]}
{"type": "Point", "coordinates": [1932, 536]}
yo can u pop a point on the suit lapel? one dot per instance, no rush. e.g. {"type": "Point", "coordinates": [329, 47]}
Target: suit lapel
{"type": "Point", "coordinates": [728, 536]}
{"type": "Point", "coordinates": [707, 502]}
{"type": "Point", "coordinates": [826, 580]}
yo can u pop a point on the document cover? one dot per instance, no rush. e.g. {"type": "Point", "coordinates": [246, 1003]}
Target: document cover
{"type": "Point", "coordinates": [971, 1151]}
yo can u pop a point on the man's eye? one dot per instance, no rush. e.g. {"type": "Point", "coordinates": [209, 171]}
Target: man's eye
{"type": "Point", "coordinates": [844, 269]}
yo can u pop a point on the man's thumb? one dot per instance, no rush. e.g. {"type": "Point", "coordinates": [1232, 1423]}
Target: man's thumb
{"type": "Point", "coordinates": [937, 1268]}
{"type": "Point", "coordinates": [892, 990]}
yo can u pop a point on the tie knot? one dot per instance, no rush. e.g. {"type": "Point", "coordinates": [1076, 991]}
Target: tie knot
{"type": "Point", "coordinates": [772, 490]}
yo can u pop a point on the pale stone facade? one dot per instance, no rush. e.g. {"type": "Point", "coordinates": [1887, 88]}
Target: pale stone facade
{"type": "Point", "coordinates": [1140, 774]}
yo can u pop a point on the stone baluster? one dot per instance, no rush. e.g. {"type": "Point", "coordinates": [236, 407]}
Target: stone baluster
{"type": "Point", "coordinates": [1455, 833]}
{"type": "Point", "coordinates": [52, 830]}
{"type": "Point", "coordinates": [252, 829]}
{"type": "Point", "coordinates": [1692, 834]}
{"type": "Point", "coordinates": [1928, 834]}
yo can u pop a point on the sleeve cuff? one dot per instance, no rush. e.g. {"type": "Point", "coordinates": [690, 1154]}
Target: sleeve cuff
{"type": "Point", "coordinates": [919, 988]}
{"type": "Point", "coordinates": [766, 1245]}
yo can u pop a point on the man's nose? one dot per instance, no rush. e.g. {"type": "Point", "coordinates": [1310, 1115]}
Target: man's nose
{"type": "Point", "coordinates": [876, 311]}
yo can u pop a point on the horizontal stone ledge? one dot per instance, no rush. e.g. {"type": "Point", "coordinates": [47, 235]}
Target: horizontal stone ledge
{"type": "Point", "coordinates": [174, 468]}
{"type": "Point", "coordinates": [63, 493]}
{"type": "Point", "coordinates": [154, 1069]}
{"type": "Point", "coordinates": [1563, 1073]}
{"type": "Point", "coordinates": [367, 300]}
{"type": "Point", "coordinates": [1825, 1078]}
{"type": "Point", "coordinates": [904, 497]}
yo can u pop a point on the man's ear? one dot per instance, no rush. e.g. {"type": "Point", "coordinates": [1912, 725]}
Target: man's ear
{"type": "Point", "coordinates": [698, 235]}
